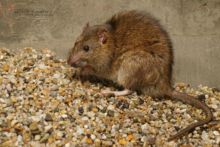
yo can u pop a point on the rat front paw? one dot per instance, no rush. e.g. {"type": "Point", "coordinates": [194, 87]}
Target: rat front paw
{"type": "Point", "coordinates": [107, 92]}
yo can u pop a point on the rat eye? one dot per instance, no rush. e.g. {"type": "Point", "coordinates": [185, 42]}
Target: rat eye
{"type": "Point", "coordinates": [86, 48]}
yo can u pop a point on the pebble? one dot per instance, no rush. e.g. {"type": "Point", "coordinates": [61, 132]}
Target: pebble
{"type": "Point", "coordinates": [48, 117]}
{"type": "Point", "coordinates": [80, 110]}
{"type": "Point", "coordinates": [37, 137]}
{"type": "Point", "coordinates": [79, 131]}
{"type": "Point", "coordinates": [48, 128]}
{"type": "Point", "coordinates": [204, 135]}
{"type": "Point", "coordinates": [34, 128]}
{"type": "Point", "coordinates": [216, 133]}
{"type": "Point", "coordinates": [93, 137]}
{"type": "Point", "coordinates": [107, 143]}
{"type": "Point", "coordinates": [110, 113]}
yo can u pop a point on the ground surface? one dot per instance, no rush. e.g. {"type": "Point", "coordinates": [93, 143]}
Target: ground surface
{"type": "Point", "coordinates": [41, 104]}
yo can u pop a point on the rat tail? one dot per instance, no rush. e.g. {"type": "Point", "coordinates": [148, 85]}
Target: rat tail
{"type": "Point", "coordinates": [193, 102]}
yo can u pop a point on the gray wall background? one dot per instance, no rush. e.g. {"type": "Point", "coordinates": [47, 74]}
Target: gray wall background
{"type": "Point", "coordinates": [193, 25]}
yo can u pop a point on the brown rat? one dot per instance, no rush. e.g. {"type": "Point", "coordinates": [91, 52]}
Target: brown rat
{"type": "Point", "coordinates": [133, 50]}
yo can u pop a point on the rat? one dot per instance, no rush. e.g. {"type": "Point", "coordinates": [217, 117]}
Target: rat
{"type": "Point", "coordinates": [133, 50]}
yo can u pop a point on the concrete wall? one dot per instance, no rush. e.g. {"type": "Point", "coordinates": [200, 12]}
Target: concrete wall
{"type": "Point", "coordinates": [193, 25]}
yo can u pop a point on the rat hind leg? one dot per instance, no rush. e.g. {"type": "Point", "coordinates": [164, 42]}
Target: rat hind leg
{"type": "Point", "coordinates": [137, 72]}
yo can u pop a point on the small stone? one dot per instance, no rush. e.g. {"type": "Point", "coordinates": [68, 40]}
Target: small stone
{"type": "Point", "coordinates": [122, 104]}
{"type": "Point", "coordinates": [19, 139]}
{"type": "Point", "coordinates": [13, 122]}
{"type": "Point", "coordinates": [91, 114]}
{"type": "Point", "coordinates": [110, 113]}
{"type": "Point", "coordinates": [98, 143]}
{"type": "Point", "coordinates": [7, 143]}
{"type": "Point", "coordinates": [107, 143]}
{"type": "Point", "coordinates": [111, 107]}
{"type": "Point", "coordinates": [144, 128]}
{"type": "Point", "coordinates": [5, 67]}
{"type": "Point", "coordinates": [48, 129]}
{"type": "Point", "coordinates": [141, 101]}
{"type": "Point", "coordinates": [53, 93]}
{"type": "Point", "coordinates": [216, 133]}
{"type": "Point", "coordinates": [34, 128]}
{"type": "Point", "coordinates": [104, 136]}
{"type": "Point", "coordinates": [79, 131]}
{"type": "Point", "coordinates": [204, 135]}
{"type": "Point", "coordinates": [80, 110]}
{"type": "Point", "coordinates": [37, 137]}
{"type": "Point", "coordinates": [64, 116]}
{"type": "Point", "coordinates": [130, 137]}
{"type": "Point", "coordinates": [89, 141]}
{"type": "Point", "coordinates": [67, 145]}
{"type": "Point", "coordinates": [57, 76]}
{"type": "Point", "coordinates": [122, 141]}
{"type": "Point", "coordinates": [54, 87]}
{"type": "Point", "coordinates": [36, 118]}
{"type": "Point", "coordinates": [93, 137]}
{"type": "Point", "coordinates": [59, 134]}
{"type": "Point", "coordinates": [48, 117]}
{"type": "Point", "coordinates": [103, 110]}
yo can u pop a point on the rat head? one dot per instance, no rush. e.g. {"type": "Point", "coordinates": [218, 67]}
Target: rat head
{"type": "Point", "coordinates": [93, 48]}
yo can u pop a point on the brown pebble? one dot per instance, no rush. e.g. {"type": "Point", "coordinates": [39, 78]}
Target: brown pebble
{"type": "Point", "coordinates": [48, 117]}
{"type": "Point", "coordinates": [34, 128]}
{"type": "Point", "coordinates": [110, 113]}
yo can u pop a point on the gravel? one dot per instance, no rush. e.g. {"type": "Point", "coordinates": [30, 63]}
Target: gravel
{"type": "Point", "coordinates": [42, 105]}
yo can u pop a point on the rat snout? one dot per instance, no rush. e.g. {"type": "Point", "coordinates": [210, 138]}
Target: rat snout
{"type": "Point", "coordinates": [73, 61]}
{"type": "Point", "coordinates": [76, 61]}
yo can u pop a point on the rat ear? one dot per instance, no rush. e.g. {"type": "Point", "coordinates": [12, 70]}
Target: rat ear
{"type": "Point", "coordinates": [86, 26]}
{"type": "Point", "coordinates": [102, 34]}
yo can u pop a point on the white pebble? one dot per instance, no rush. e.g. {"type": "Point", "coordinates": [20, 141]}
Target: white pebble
{"type": "Point", "coordinates": [36, 118]}
{"type": "Point", "coordinates": [47, 128]}
{"type": "Point", "coordinates": [64, 116]}
{"type": "Point", "coordinates": [111, 107]}
{"type": "Point", "coordinates": [57, 76]}
{"type": "Point", "coordinates": [218, 140]}
{"type": "Point", "coordinates": [67, 145]}
{"type": "Point", "coordinates": [19, 139]}
{"type": "Point", "coordinates": [60, 134]}
{"type": "Point", "coordinates": [79, 131]}
{"type": "Point", "coordinates": [91, 114]}
{"type": "Point", "coordinates": [93, 137]}
{"type": "Point", "coordinates": [85, 118]}
{"type": "Point", "coordinates": [13, 122]}
{"type": "Point", "coordinates": [42, 66]}
{"type": "Point", "coordinates": [104, 136]}
{"type": "Point", "coordinates": [204, 135]}
{"type": "Point", "coordinates": [37, 137]}
{"type": "Point", "coordinates": [144, 128]}
{"type": "Point", "coordinates": [216, 133]}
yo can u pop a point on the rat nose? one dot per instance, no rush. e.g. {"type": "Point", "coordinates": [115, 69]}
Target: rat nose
{"type": "Point", "coordinates": [74, 62]}
{"type": "Point", "coordinates": [71, 61]}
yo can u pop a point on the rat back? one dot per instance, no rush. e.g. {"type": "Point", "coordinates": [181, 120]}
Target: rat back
{"type": "Point", "coordinates": [141, 34]}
